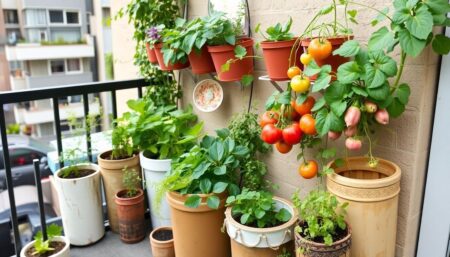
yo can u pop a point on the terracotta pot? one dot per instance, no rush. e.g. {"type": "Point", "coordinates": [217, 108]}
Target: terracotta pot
{"type": "Point", "coordinates": [65, 252]}
{"type": "Point", "coordinates": [112, 176]}
{"type": "Point", "coordinates": [130, 212]}
{"type": "Point", "coordinates": [372, 194]}
{"type": "Point", "coordinates": [339, 248]}
{"type": "Point", "coordinates": [161, 248]}
{"type": "Point", "coordinates": [334, 60]}
{"type": "Point", "coordinates": [276, 58]}
{"type": "Point", "coordinates": [221, 54]}
{"type": "Point", "coordinates": [201, 61]}
{"type": "Point", "coordinates": [197, 231]}
{"type": "Point", "coordinates": [266, 242]}
{"type": "Point", "coordinates": [151, 54]}
{"type": "Point", "coordinates": [170, 66]}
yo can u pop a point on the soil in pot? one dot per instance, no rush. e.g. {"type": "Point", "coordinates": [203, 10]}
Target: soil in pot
{"type": "Point", "coordinates": [56, 245]}
{"type": "Point", "coordinates": [163, 235]}
{"type": "Point", "coordinates": [340, 234]}
{"type": "Point", "coordinates": [162, 243]}
{"type": "Point", "coordinates": [79, 174]}
{"type": "Point", "coordinates": [170, 66]}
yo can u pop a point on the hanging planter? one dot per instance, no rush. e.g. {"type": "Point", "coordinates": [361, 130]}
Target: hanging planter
{"type": "Point", "coordinates": [170, 66]}
{"type": "Point", "coordinates": [372, 194]}
{"type": "Point", "coordinates": [221, 54]}
{"type": "Point", "coordinates": [81, 204]}
{"type": "Point", "coordinates": [201, 61]}
{"type": "Point", "coordinates": [62, 248]}
{"type": "Point", "coordinates": [161, 242]}
{"type": "Point", "coordinates": [276, 58]}
{"type": "Point", "coordinates": [151, 55]}
{"type": "Point", "coordinates": [130, 213]}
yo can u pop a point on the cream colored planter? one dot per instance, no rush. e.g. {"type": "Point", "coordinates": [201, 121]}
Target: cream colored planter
{"type": "Point", "coordinates": [81, 207]}
{"type": "Point", "coordinates": [372, 194]}
{"type": "Point", "coordinates": [65, 252]}
{"type": "Point", "coordinates": [260, 238]}
{"type": "Point", "coordinates": [154, 172]}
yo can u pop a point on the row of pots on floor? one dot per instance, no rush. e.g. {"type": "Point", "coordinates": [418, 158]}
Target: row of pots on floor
{"type": "Point", "coordinates": [276, 55]}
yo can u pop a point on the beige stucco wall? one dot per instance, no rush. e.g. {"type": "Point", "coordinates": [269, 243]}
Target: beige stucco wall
{"type": "Point", "coordinates": [405, 141]}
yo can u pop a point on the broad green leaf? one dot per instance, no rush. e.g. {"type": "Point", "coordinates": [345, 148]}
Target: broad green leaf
{"type": "Point", "coordinates": [244, 218]}
{"type": "Point", "coordinates": [380, 17]}
{"type": "Point", "coordinates": [213, 202]}
{"type": "Point", "coordinates": [230, 39]}
{"type": "Point", "coordinates": [379, 93]}
{"type": "Point", "coordinates": [441, 44]}
{"type": "Point", "coordinates": [240, 150]}
{"type": "Point", "coordinates": [223, 133]}
{"type": "Point", "coordinates": [221, 170]}
{"type": "Point", "coordinates": [401, 15]}
{"type": "Point", "coordinates": [359, 91]}
{"type": "Point", "coordinates": [348, 49]}
{"type": "Point", "coordinates": [374, 77]}
{"type": "Point", "coordinates": [438, 6]}
{"type": "Point", "coordinates": [421, 24]}
{"type": "Point", "coordinates": [326, 9]}
{"type": "Point", "coordinates": [326, 121]}
{"type": "Point", "coordinates": [381, 39]}
{"type": "Point", "coordinates": [247, 80]}
{"type": "Point", "coordinates": [312, 69]}
{"type": "Point", "coordinates": [240, 52]}
{"type": "Point", "coordinates": [200, 170]}
{"type": "Point", "coordinates": [216, 151]}
{"type": "Point", "coordinates": [338, 107]}
{"type": "Point", "coordinates": [233, 189]}
{"type": "Point", "coordinates": [220, 187]}
{"type": "Point", "coordinates": [348, 72]}
{"type": "Point", "coordinates": [335, 92]}
{"type": "Point", "coordinates": [403, 93]}
{"type": "Point", "coordinates": [319, 104]}
{"type": "Point", "coordinates": [205, 186]}
{"type": "Point", "coordinates": [410, 44]}
{"type": "Point", "coordinates": [301, 98]}
{"type": "Point", "coordinates": [225, 67]}
{"type": "Point", "coordinates": [284, 98]}
{"type": "Point", "coordinates": [329, 153]}
{"type": "Point", "coordinates": [193, 201]}
{"type": "Point", "coordinates": [259, 213]}
{"type": "Point", "coordinates": [283, 215]}
{"type": "Point", "coordinates": [396, 108]}
{"type": "Point", "coordinates": [322, 82]}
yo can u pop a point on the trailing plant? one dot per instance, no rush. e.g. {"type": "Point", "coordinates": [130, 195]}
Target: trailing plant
{"type": "Point", "coordinates": [322, 214]}
{"type": "Point", "coordinates": [257, 209]}
{"type": "Point", "coordinates": [42, 247]}
{"type": "Point", "coordinates": [278, 32]}
{"type": "Point", "coordinates": [131, 181]}
{"type": "Point", "coordinates": [208, 168]}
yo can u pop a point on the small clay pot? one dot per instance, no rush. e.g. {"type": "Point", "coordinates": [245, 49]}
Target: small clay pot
{"type": "Point", "coordinates": [161, 242]}
{"type": "Point", "coordinates": [277, 55]}
{"type": "Point", "coordinates": [151, 55]}
{"type": "Point", "coordinates": [170, 66]}
{"type": "Point", "coordinates": [130, 212]}
{"type": "Point", "coordinates": [201, 61]}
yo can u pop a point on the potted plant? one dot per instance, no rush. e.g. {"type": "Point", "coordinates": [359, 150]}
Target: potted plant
{"type": "Point", "coordinates": [54, 246]}
{"type": "Point", "coordinates": [321, 230]}
{"type": "Point", "coordinates": [131, 208]}
{"type": "Point", "coordinates": [153, 37]}
{"type": "Point", "coordinates": [169, 51]}
{"type": "Point", "coordinates": [162, 133]}
{"type": "Point", "coordinates": [113, 162]}
{"type": "Point", "coordinates": [276, 48]}
{"type": "Point", "coordinates": [197, 187]}
{"type": "Point", "coordinates": [161, 241]}
{"type": "Point", "coordinates": [259, 224]}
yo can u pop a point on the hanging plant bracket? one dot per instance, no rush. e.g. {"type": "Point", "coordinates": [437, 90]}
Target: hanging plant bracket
{"type": "Point", "coordinates": [274, 83]}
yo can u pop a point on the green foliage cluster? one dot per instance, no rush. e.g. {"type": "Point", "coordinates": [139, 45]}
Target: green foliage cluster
{"type": "Point", "coordinates": [257, 209]}
{"type": "Point", "coordinates": [131, 181]}
{"type": "Point", "coordinates": [278, 32]}
{"type": "Point", "coordinates": [41, 246]}
{"type": "Point", "coordinates": [122, 144]}
{"type": "Point", "coordinates": [13, 129]}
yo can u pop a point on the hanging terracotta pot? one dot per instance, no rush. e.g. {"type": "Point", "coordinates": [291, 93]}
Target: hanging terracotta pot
{"type": "Point", "coordinates": [151, 55]}
{"type": "Point", "coordinates": [278, 59]}
{"type": "Point", "coordinates": [334, 60]}
{"type": "Point", "coordinates": [62, 243]}
{"type": "Point", "coordinates": [112, 176]}
{"type": "Point", "coordinates": [221, 54]}
{"type": "Point", "coordinates": [372, 194]}
{"type": "Point", "coordinates": [161, 241]}
{"type": "Point", "coordinates": [306, 248]}
{"type": "Point", "coordinates": [170, 66]}
{"type": "Point", "coordinates": [197, 231]}
{"type": "Point", "coordinates": [201, 61]}
{"type": "Point", "coordinates": [130, 212]}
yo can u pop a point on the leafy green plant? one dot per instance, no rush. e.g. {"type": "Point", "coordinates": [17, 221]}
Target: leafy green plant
{"type": "Point", "coordinates": [278, 32]}
{"type": "Point", "coordinates": [322, 215]}
{"type": "Point", "coordinates": [257, 209]}
{"type": "Point", "coordinates": [13, 129]}
{"type": "Point", "coordinates": [131, 181]}
{"type": "Point", "coordinates": [122, 145]}
{"type": "Point", "coordinates": [285, 253]}
{"type": "Point", "coordinates": [209, 168]}
{"type": "Point", "coordinates": [41, 246]}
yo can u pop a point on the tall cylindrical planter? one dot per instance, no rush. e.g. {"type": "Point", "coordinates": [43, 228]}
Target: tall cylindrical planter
{"type": "Point", "coordinates": [112, 176]}
{"type": "Point", "coordinates": [266, 242]}
{"type": "Point", "coordinates": [196, 231]}
{"type": "Point", "coordinates": [130, 213]}
{"type": "Point", "coordinates": [372, 194]}
{"type": "Point", "coordinates": [278, 58]}
{"type": "Point", "coordinates": [161, 242]}
{"type": "Point", "coordinates": [154, 172]}
{"type": "Point", "coordinates": [65, 252]}
{"type": "Point", "coordinates": [81, 206]}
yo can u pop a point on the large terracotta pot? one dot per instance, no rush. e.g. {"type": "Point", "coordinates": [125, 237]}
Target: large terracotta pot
{"type": "Point", "coordinates": [197, 232]}
{"type": "Point", "coordinates": [170, 66]}
{"type": "Point", "coordinates": [131, 214]}
{"type": "Point", "coordinates": [309, 248]}
{"type": "Point", "coordinates": [151, 55]}
{"type": "Point", "coordinates": [372, 194]}
{"type": "Point", "coordinates": [277, 55]}
{"type": "Point", "coordinates": [162, 247]}
{"type": "Point", "coordinates": [221, 54]}
{"type": "Point", "coordinates": [112, 176]}
{"type": "Point", "coordinates": [266, 242]}
{"type": "Point", "coordinates": [81, 206]}
{"type": "Point", "coordinates": [334, 60]}
{"type": "Point", "coordinates": [201, 61]}
{"type": "Point", "coordinates": [65, 252]}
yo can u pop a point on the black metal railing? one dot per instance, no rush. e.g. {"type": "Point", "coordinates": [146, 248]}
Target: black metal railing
{"type": "Point", "coordinates": [54, 93]}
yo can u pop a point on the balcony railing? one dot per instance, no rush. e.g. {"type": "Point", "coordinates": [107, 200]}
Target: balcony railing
{"type": "Point", "coordinates": [53, 94]}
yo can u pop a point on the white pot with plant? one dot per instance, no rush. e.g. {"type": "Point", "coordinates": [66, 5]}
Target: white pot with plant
{"type": "Point", "coordinates": [54, 246]}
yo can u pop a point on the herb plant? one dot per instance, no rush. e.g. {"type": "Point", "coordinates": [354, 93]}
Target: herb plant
{"type": "Point", "coordinates": [41, 246]}
{"type": "Point", "coordinates": [122, 145]}
{"type": "Point", "coordinates": [278, 32]}
{"type": "Point", "coordinates": [131, 181]}
{"type": "Point", "coordinates": [257, 209]}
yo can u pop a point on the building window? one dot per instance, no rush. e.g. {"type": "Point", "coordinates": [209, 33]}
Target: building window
{"type": "Point", "coordinates": [73, 66]}
{"type": "Point", "coordinates": [56, 16]}
{"type": "Point", "coordinates": [35, 17]}
{"type": "Point", "coordinates": [67, 66]}
{"type": "Point", "coordinates": [72, 18]}
{"type": "Point", "coordinates": [11, 16]}
{"type": "Point", "coordinates": [56, 66]}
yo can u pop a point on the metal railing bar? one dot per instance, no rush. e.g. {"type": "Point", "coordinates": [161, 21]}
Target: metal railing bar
{"type": "Point", "coordinates": [114, 103]}
{"type": "Point", "coordinates": [140, 92]}
{"type": "Point", "coordinates": [9, 181]}
{"type": "Point", "coordinates": [58, 131]}
{"type": "Point", "coordinates": [37, 178]}
{"type": "Point", "coordinates": [87, 126]}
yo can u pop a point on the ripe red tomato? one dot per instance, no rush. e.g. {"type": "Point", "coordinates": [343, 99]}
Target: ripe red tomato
{"type": "Point", "coordinates": [320, 48]}
{"type": "Point", "coordinates": [269, 117]}
{"type": "Point", "coordinates": [308, 170]}
{"type": "Point", "coordinates": [305, 107]}
{"type": "Point", "coordinates": [292, 134]}
{"type": "Point", "coordinates": [271, 134]}
{"type": "Point", "coordinates": [308, 124]}
{"type": "Point", "coordinates": [283, 147]}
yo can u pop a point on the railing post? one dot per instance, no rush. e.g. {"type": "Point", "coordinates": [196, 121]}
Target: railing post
{"type": "Point", "coordinates": [37, 178]}
{"type": "Point", "coordinates": [58, 131]}
{"type": "Point", "coordinates": [87, 126]}
{"type": "Point", "coordinates": [114, 103]}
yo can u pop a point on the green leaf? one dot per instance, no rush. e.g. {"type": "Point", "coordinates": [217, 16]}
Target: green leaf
{"type": "Point", "coordinates": [200, 170]}
{"type": "Point", "coordinates": [396, 108]}
{"type": "Point", "coordinates": [259, 213]}
{"type": "Point", "coordinates": [283, 215]}
{"type": "Point", "coordinates": [348, 72]}
{"type": "Point", "coordinates": [230, 39]}
{"type": "Point", "coordinates": [441, 44]}
{"type": "Point", "coordinates": [312, 69]}
{"type": "Point", "coordinates": [335, 92]}
{"type": "Point", "coordinates": [221, 170]}
{"type": "Point", "coordinates": [220, 187]}
{"type": "Point", "coordinates": [53, 230]}
{"type": "Point", "coordinates": [403, 93]}
{"type": "Point", "coordinates": [374, 77]}
{"type": "Point", "coordinates": [244, 218]}
{"type": "Point", "coordinates": [381, 39]}
{"type": "Point", "coordinates": [319, 104]}
{"type": "Point", "coordinates": [257, 28]}
{"type": "Point", "coordinates": [216, 152]}
{"type": "Point", "coordinates": [410, 44]}
{"type": "Point", "coordinates": [380, 17]}
{"type": "Point", "coordinates": [225, 67]}
{"type": "Point", "coordinates": [240, 52]}
{"type": "Point", "coordinates": [339, 162]}
{"type": "Point", "coordinates": [359, 91]}
{"type": "Point", "coordinates": [379, 93]}
{"type": "Point", "coordinates": [326, 121]}
{"type": "Point", "coordinates": [338, 107]}
{"type": "Point", "coordinates": [233, 189]}
{"type": "Point", "coordinates": [284, 98]}
{"type": "Point", "coordinates": [247, 80]}
{"type": "Point", "coordinates": [322, 82]}
{"type": "Point", "coordinates": [329, 153]}
{"type": "Point", "coordinates": [213, 202]}
{"type": "Point", "coordinates": [438, 6]}
{"type": "Point", "coordinates": [205, 186]}
{"type": "Point", "coordinates": [193, 201]}
{"type": "Point", "coordinates": [223, 133]}
{"type": "Point", "coordinates": [326, 9]}
{"type": "Point", "coordinates": [240, 150]}
{"type": "Point", "coordinates": [421, 24]}
{"type": "Point", "coordinates": [348, 49]}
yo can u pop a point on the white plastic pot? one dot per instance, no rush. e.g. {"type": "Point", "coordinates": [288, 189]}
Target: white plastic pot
{"type": "Point", "coordinates": [81, 206]}
{"type": "Point", "coordinates": [65, 252]}
{"type": "Point", "coordinates": [263, 237]}
{"type": "Point", "coordinates": [154, 172]}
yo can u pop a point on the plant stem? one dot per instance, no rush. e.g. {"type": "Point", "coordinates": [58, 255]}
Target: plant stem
{"type": "Point", "coordinates": [370, 7]}
{"type": "Point", "coordinates": [400, 71]}
{"type": "Point", "coordinates": [335, 17]}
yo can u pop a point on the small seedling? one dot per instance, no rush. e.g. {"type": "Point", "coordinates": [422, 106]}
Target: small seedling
{"type": "Point", "coordinates": [131, 182]}
{"type": "Point", "coordinates": [42, 246]}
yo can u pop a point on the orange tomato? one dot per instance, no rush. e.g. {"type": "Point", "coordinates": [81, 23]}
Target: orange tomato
{"type": "Point", "coordinates": [308, 124]}
{"type": "Point", "coordinates": [293, 71]}
{"type": "Point", "coordinates": [308, 169]}
{"type": "Point", "coordinates": [283, 147]}
{"type": "Point", "coordinates": [305, 107]}
{"type": "Point", "coordinates": [320, 48]}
